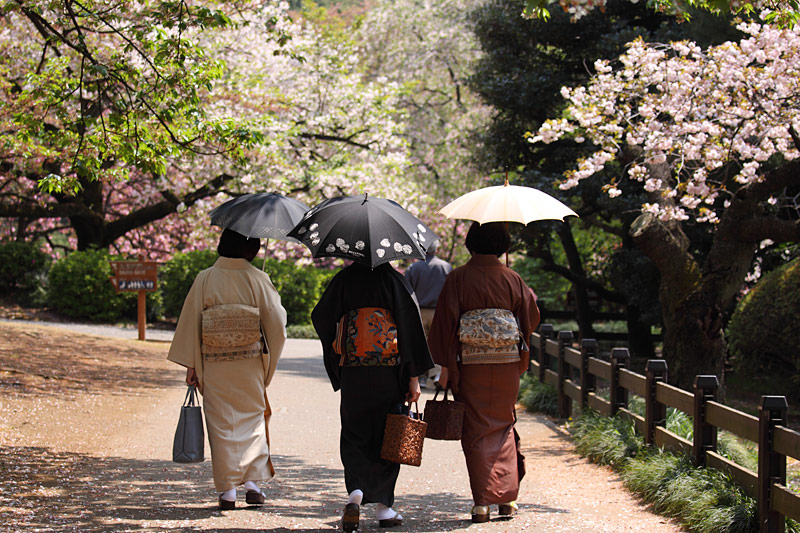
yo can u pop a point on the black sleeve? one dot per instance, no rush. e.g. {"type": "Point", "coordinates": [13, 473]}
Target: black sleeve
{"type": "Point", "coordinates": [324, 317]}
{"type": "Point", "coordinates": [411, 342]}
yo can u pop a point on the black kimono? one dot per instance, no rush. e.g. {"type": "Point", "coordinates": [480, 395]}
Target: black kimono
{"type": "Point", "coordinates": [370, 392]}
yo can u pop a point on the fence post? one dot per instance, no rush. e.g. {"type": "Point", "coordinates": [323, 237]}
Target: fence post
{"type": "Point", "coordinates": [620, 358]}
{"type": "Point", "coordinates": [564, 401]}
{"type": "Point", "coordinates": [705, 435]}
{"type": "Point", "coordinates": [545, 332]}
{"type": "Point", "coordinates": [588, 381]}
{"type": "Point", "coordinates": [655, 413]}
{"type": "Point", "coordinates": [771, 465]}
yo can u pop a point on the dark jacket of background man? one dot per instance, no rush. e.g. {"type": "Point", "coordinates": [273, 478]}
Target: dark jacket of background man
{"type": "Point", "coordinates": [427, 278]}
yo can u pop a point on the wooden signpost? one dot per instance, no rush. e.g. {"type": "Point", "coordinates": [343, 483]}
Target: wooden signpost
{"type": "Point", "coordinates": [140, 276]}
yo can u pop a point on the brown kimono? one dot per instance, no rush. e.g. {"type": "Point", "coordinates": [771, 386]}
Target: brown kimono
{"type": "Point", "coordinates": [488, 390]}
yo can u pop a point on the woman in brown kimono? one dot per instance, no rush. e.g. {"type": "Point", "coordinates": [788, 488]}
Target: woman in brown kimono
{"type": "Point", "coordinates": [487, 385]}
{"type": "Point", "coordinates": [376, 372]}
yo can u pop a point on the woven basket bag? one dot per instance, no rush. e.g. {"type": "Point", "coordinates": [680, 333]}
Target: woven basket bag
{"type": "Point", "coordinates": [445, 418]}
{"type": "Point", "coordinates": [403, 438]}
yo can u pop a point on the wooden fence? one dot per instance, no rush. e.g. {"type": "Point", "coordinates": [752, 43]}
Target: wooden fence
{"type": "Point", "coordinates": [574, 372]}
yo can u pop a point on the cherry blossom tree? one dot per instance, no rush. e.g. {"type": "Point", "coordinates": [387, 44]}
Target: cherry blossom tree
{"type": "Point", "coordinates": [96, 96]}
{"type": "Point", "coordinates": [130, 121]}
{"type": "Point", "coordinates": [711, 137]}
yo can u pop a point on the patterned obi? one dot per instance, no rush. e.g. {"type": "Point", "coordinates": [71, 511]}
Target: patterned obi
{"type": "Point", "coordinates": [489, 336]}
{"type": "Point", "coordinates": [230, 332]}
{"type": "Point", "coordinates": [366, 337]}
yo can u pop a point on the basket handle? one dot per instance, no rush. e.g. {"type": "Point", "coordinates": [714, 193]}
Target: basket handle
{"type": "Point", "coordinates": [416, 408]}
{"type": "Point", "coordinates": [445, 389]}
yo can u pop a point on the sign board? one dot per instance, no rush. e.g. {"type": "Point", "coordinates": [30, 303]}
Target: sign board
{"type": "Point", "coordinates": [134, 275]}
{"type": "Point", "coordinates": [139, 276]}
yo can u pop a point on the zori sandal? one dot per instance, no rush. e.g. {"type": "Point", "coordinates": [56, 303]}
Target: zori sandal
{"type": "Point", "coordinates": [480, 514]}
{"type": "Point", "coordinates": [350, 517]}
{"type": "Point", "coordinates": [396, 520]}
{"type": "Point", "coordinates": [507, 510]}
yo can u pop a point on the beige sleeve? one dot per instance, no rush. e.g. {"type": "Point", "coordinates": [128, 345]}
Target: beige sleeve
{"type": "Point", "coordinates": [273, 322]}
{"type": "Point", "coordinates": [185, 347]}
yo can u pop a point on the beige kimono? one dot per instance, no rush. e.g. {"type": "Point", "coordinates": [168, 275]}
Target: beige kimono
{"type": "Point", "coordinates": [234, 390]}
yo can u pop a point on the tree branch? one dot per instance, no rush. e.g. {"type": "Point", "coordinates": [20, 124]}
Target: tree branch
{"type": "Point", "coordinates": [583, 281]}
{"type": "Point", "coordinates": [758, 229]}
{"type": "Point", "coordinates": [336, 138]}
{"type": "Point", "coordinates": [159, 210]}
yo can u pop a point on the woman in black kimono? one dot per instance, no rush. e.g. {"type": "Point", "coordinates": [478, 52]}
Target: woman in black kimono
{"type": "Point", "coordinates": [373, 381]}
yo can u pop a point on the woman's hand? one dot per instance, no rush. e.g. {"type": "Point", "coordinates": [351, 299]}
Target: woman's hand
{"type": "Point", "coordinates": [414, 391]}
{"type": "Point", "coordinates": [191, 377]}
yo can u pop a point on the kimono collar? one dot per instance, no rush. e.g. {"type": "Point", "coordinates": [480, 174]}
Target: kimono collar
{"type": "Point", "coordinates": [484, 260]}
{"type": "Point", "coordinates": [230, 263]}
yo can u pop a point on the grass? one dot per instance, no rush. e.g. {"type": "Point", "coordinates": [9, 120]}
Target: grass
{"type": "Point", "coordinates": [537, 397]}
{"type": "Point", "coordinates": [703, 500]}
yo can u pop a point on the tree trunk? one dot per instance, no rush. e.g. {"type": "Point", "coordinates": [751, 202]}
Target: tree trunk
{"type": "Point", "coordinates": [87, 217]}
{"type": "Point", "coordinates": [583, 310]}
{"type": "Point", "coordinates": [693, 339]}
{"type": "Point", "coordinates": [687, 347]}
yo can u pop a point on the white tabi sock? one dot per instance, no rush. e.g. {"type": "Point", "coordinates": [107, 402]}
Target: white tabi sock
{"type": "Point", "coordinates": [384, 513]}
{"type": "Point", "coordinates": [251, 485]}
{"type": "Point", "coordinates": [355, 497]}
{"type": "Point", "coordinates": [229, 495]}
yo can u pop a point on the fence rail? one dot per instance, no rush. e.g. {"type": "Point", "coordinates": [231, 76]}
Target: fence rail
{"type": "Point", "coordinates": [574, 373]}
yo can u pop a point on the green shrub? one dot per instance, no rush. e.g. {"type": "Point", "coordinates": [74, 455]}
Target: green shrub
{"type": "Point", "coordinates": [177, 275]}
{"type": "Point", "coordinates": [23, 272]}
{"type": "Point", "coordinates": [301, 331]}
{"type": "Point", "coordinates": [537, 397]}
{"type": "Point", "coordinates": [300, 287]}
{"type": "Point", "coordinates": [606, 441]}
{"type": "Point", "coordinates": [79, 287]}
{"type": "Point", "coordinates": [764, 333]}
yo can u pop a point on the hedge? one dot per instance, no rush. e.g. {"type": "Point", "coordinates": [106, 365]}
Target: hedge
{"type": "Point", "coordinates": [764, 332]}
{"type": "Point", "coordinates": [23, 272]}
{"type": "Point", "coordinates": [300, 287]}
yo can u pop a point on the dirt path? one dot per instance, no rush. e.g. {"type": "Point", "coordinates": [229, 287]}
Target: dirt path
{"type": "Point", "coordinates": [86, 428]}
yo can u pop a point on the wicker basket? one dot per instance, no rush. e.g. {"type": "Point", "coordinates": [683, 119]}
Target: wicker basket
{"type": "Point", "coordinates": [445, 418]}
{"type": "Point", "coordinates": [403, 438]}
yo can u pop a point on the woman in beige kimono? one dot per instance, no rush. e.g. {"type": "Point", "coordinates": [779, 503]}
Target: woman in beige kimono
{"type": "Point", "coordinates": [486, 380]}
{"type": "Point", "coordinates": [230, 334]}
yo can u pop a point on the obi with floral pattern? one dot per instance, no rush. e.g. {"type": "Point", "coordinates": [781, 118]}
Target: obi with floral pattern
{"type": "Point", "coordinates": [366, 337]}
{"type": "Point", "coordinates": [489, 336]}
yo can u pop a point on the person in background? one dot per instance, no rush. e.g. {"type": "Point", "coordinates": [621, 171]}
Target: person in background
{"type": "Point", "coordinates": [230, 335]}
{"type": "Point", "coordinates": [374, 350]}
{"type": "Point", "coordinates": [486, 377]}
{"type": "Point", "coordinates": [427, 279]}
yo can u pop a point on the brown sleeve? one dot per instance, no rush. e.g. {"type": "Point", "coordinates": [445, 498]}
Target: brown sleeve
{"type": "Point", "coordinates": [443, 337]}
{"type": "Point", "coordinates": [528, 320]}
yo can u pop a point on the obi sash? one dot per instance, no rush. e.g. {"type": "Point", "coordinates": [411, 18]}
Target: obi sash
{"type": "Point", "coordinates": [230, 332]}
{"type": "Point", "coordinates": [489, 336]}
{"type": "Point", "coordinates": [366, 336]}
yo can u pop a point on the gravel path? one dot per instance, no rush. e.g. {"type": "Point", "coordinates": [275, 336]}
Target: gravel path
{"type": "Point", "coordinates": [98, 458]}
